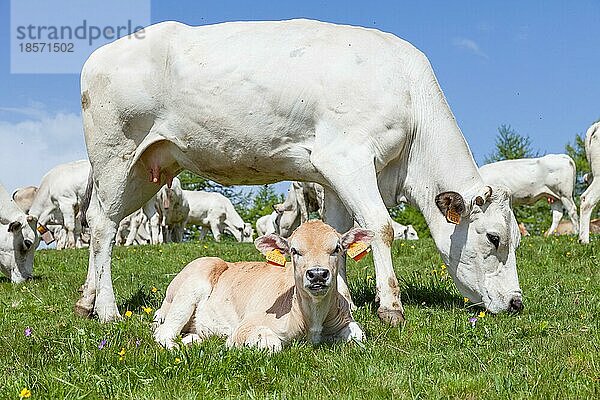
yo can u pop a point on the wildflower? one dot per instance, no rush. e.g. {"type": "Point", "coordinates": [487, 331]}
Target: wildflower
{"type": "Point", "coordinates": [412, 247]}
{"type": "Point", "coordinates": [369, 277]}
{"type": "Point", "coordinates": [25, 393]}
{"type": "Point", "coordinates": [27, 332]}
{"type": "Point", "coordinates": [443, 267]}
{"type": "Point", "coordinates": [466, 300]}
{"type": "Point", "coordinates": [121, 354]}
{"type": "Point", "coordinates": [402, 244]}
{"type": "Point", "coordinates": [568, 253]}
{"type": "Point", "coordinates": [481, 314]}
{"type": "Point", "coordinates": [177, 360]}
{"type": "Point", "coordinates": [205, 246]}
{"type": "Point", "coordinates": [154, 289]}
{"type": "Point", "coordinates": [147, 310]}
{"type": "Point", "coordinates": [138, 342]}
{"type": "Point", "coordinates": [473, 321]}
{"type": "Point", "coordinates": [128, 313]}
{"type": "Point", "coordinates": [102, 343]}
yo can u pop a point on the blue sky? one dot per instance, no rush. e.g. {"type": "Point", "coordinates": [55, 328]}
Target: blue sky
{"type": "Point", "coordinates": [534, 65]}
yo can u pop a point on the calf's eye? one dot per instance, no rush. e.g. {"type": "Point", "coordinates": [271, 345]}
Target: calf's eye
{"type": "Point", "coordinates": [337, 250]}
{"type": "Point", "coordinates": [494, 239]}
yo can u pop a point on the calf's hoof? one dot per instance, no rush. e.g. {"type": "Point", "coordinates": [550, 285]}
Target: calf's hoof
{"type": "Point", "coordinates": [390, 316]}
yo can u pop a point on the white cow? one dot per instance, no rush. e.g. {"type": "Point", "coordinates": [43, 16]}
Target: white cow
{"type": "Point", "coordinates": [356, 110]}
{"type": "Point", "coordinates": [277, 304]}
{"type": "Point", "coordinates": [590, 197]}
{"type": "Point", "coordinates": [302, 199]}
{"type": "Point", "coordinates": [531, 179]}
{"type": "Point", "coordinates": [265, 225]}
{"type": "Point", "coordinates": [134, 229]}
{"type": "Point", "coordinates": [173, 210]}
{"type": "Point", "coordinates": [211, 210]}
{"type": "Point", "coordinates": [18, 240]}
{"type": "Point", "coordinates": [59, 197]}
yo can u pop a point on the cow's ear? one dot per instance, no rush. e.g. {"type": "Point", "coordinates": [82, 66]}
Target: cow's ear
{"type": "Point", "coordinates": [270, 242]}
{"type": "Point", "coordinates": [14, 226]}
{"type": "Point", "coordinates": [278, 208]}
{"type": "Point", "coordinates": [356, 235]}
{"type": "Point", "coordinates": [452, 206]}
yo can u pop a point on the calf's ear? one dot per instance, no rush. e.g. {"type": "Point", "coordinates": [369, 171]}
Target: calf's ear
{"type": "Point", "coordinates": [269, 242]}
{"type": "Point", "coordinates": [355, 235]}
{"type": "Point", "coordinates": [452, 205]}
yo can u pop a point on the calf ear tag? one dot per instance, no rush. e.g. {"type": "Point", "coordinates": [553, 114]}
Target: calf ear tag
{"type": "Point", "coordinates": [46, 234]}
{"type": "Point", "coordinates": [358, 250]}
{"type": "Point", "coordinates": [275, 257]}
{"type": "Point", "coordinates": [453, 217]}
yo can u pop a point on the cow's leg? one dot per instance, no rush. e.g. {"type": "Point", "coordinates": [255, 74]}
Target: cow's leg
{"type": "Point", "coordinates": [216, 228]}
{"type": "Point", "coordinates": [260, 336]}
{"type": "Point", "coordinates": [202, 233]}
{"type": "Point", "coordinates": [175, 318]}
{"type": "Point", "coordinates": [155, 229]}
{"type": "Point", "coordinates": [85, 305]}
{"type": "Point", "coordinates": [571, 208]}
{"type": "Point", "coordinates": [301, 202]}
{"type": "Point", "coordinates": [355, 182]}
{"type": "Point", "coordinates": [589, 198]}
{"type": "Point", "coordinates": [68, 211]}
{"type": "Point", "coordinates": [336, 215]}
{"type": "Point", "coordinates": [557, 214]}
{"type": "Point", "coordinates": [133, 231]}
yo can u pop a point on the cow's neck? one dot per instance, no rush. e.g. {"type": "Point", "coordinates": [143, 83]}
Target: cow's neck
{"type": "Point", "coordinates": [438, 160]}
{"type": "Point", "coordinates": [313, 311]}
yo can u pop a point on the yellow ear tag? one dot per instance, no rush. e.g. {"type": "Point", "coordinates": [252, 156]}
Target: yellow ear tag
{"type": "Point", "coordinates": [453, 217]}
{"type": "Point", "coordinates": [46, 234]}
{"type": "Point", "coordinates": [275, 257]}
{"type": "Point", "coordinates": [358, 250]}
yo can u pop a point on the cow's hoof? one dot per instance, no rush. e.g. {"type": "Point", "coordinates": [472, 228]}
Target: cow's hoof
{"type": "Point", "coordinates": [390, 316]}
{"type": "Point", "coordinates": [83, 310]}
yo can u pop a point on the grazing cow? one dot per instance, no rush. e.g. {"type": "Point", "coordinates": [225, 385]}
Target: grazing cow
{"type": "Point", "coordinates": [18, 240]}
{"type": "Point", "coordinates": [211, 210]}
{"type": "Point", "coordinates": [134, 229]}
{"type": "Point", "coordinates": [59, 197]}
{"type": "Point", "coordinates": [302, 199]}
{"type": "Point", "coordinates": [173, 210]}
{"type": "Point", "coordinates": [265, 225]}
{"type": "Point", "coordinates": [356, 110]}
{"type": "Point", "coordinates": [24, 197]}
{"type": "Point", "coordinates": [590, 197]}
{"type": "Point", "coordinates": [278, 303]}
{"type": "Point", "coordinates": [531, 179]}
{"type": "Point", "coordinates": [404, 232]}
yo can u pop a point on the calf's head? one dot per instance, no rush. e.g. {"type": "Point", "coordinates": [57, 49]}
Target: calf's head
{"type": "Point", "coordinates": [316, 251]}
{"type": "Point", "coordinates": [478, 243]}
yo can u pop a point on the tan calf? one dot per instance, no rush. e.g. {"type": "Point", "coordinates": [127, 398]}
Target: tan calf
{"type": "Point", "coordinates": [263, 305]}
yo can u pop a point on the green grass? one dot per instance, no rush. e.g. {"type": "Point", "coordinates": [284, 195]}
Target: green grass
{"type": "Point", "coordinates": [550, 350]}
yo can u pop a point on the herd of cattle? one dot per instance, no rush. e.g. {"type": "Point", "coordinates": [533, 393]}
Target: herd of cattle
{"type": "Point", "coordinates": [355, 111]}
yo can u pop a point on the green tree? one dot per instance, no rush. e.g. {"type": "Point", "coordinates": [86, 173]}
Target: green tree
{"type": "Point", "coordinates": [510, 145]}
{"type": "Point", "coordinates": [261, 204]}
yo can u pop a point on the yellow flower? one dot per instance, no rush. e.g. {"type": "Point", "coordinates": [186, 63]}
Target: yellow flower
{"type": "Point", "coordinates": [568, 253]}
{"type": "Point", "coordinates": [177, 360]}
{"type": "Point", "coordinates": [147, 310]}
{"type": "Point", "coordinates": [466, 300]}
{"type": "Point", "coordinates": [402, 244]}
{"type": "Point", "coordinates": [154, 289]}
{"type": "Point", "coordinates": [205, 246]}
{"type": "Point", "coordinates": [128, 313]}
{"type": "Point", "coordinates": [412, 247]}
{"type": "Point", "coordinates": [369, 277]}
{"type": "Point", "coordinates": [24, 393]}
{"type": "Point", "coordinates": [481, 314]}
{"type": "Point", "coordinates": [443, 267]}
{"type": "Point", "coordinates": [122, 352]}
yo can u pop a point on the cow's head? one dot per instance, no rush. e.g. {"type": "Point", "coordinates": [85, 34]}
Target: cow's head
{"type": "Point", "coordinates": [410, 233]}
{"type": "Point", "coordinates": [247, 233]}
{"type": "Point", "coordinates": [480, 248]}
{"type": "Point", "coordinates": [316, 251]}
{"type": "Point", "coordinates": [18, 241]}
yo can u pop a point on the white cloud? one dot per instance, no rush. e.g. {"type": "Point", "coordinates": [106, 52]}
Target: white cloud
{"type": "Point", "coordinates": [469, 45]}
{"type": "Point", "coordinates": [30, 147]}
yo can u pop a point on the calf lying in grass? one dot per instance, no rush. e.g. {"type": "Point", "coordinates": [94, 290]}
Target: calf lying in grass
{"type": "Point", "coordinates": [264, 305]}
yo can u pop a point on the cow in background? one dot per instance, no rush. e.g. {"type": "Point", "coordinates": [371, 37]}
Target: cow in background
{"type": "Point", "coordinates": [591, 195]}
{"type": "Point", "coordinates": [18, 240]}
{"type": "Point", "coordinates": [531, 179]}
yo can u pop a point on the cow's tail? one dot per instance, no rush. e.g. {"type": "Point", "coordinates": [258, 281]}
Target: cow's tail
{"type": "Point", "coordinates": [85, 202]}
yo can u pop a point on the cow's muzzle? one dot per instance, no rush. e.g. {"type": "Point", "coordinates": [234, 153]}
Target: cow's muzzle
{"type": "Point", "coordinates": [515, 305]}
{"type": "Point", "coordinates": [318, 280]}
{"type": "Point", "coordinates": [27, 244]}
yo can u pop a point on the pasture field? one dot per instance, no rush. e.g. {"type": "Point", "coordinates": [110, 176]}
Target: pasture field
{"type": "Point", "coordinates": [550, 350]}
